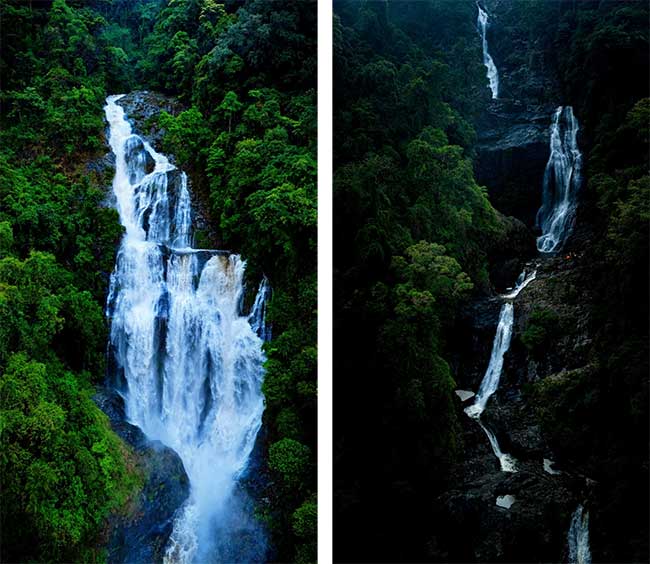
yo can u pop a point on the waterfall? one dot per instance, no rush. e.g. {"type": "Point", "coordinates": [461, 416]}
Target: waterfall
{"type": "Point", "coordinates": [490, 382]}
{"type": "Point", "coordinates": [562, 179]}
{"type": "Point", "coordinates": [507, 462]}
{"type": "Point", "coordinates": [191, 364]}
{"type": "Point", "coordinates": [524, 279]}
{"type": "Point", "coordinates": [492, 73]}
{"type": "Point", "coordinates": [492, 376]}
{"type": "Point", "coordinates": [579, 552]}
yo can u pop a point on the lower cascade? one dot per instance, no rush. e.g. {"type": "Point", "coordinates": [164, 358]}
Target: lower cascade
{"type": "Point", "coordinates": [579, 552]}
{"type": "Point", "coordinates": [190, 363]}
{"type": "Point", "coordinates": [492, 376]}
{"type": "Point", "coordinates": [490, 382]}
{"type": "Point", "coordinates": [562, 179]}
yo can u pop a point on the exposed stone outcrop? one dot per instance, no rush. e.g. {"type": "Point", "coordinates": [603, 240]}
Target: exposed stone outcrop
{"type": "Point", "coordinates": [512, 151]}
{"type": "Point", "coordinates": [142, 534]}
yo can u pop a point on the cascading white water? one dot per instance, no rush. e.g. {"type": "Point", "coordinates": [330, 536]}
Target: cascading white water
{"type": "Point", "coordinates": [501, 344]}
{"type": "Point", "coordinates": [562, 179]}
{"type": "Point", "coordinates": [578, 540]}
{"type": "Point", "coordinates": [506, 461]}
{"type": "Point", "coordinates": [492, 73]}
{"type": "Point", "coordinates": [490, 383]}
{"type": "Point", "coordinates": [191, 362]}
{"type": "Point", "coordinates": [524, 279]}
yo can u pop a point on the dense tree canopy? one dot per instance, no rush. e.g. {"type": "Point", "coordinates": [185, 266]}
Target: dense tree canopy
{"type": "Point", "coordinates": [63, 469]}
{"type": "Point", "coordinates": [246, 72]}
{"type": "Point", "coordinates": [413, 235]}
{"type": "Point", "coordinates": [411, 229]}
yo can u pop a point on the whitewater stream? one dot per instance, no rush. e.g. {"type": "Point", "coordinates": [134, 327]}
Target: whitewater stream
{"type": "Point", "coordinates": [190, 361]}
{"type": "Point", "coordinates": [492, 73]}
{"type": "Point", "coordinates": [562, 179]}
{"type": "Point", "coordinates": [490, 382]}
{"type": "Point", "coordinates": [578, 539]}
{"type": "Point", "coordinates": [555, 220]}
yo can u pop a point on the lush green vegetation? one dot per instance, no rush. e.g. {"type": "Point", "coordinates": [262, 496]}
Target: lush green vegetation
{"type": "Point", "coordinates": [543, 326]}
{"type": "Point", "coordinates": [598, 52]}
{"type": "Point", "coordinates": [62, 468]}
{"type": "Point", "coordinates": [412, 230]}
{"type": "Point", "coordinates": [246, 71]}
{"type": "Point", "coordinates": [409, 85]}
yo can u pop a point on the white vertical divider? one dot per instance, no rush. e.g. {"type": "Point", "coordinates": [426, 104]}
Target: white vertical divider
{"type": "Point", "coordinates": [325, 284]}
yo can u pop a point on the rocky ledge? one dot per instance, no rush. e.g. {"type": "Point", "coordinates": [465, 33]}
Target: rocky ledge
{"type": "Point", "coordinates": [142, 534]}
{"type": "Point", "coordinates": [512, 151]}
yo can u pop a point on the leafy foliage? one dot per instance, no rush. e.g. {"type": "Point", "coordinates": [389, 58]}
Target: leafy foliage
{"type": "Point", "coordinates": [542, 327]}
{"type": "Point", "coordinates": [62, 468]}
{"type": "Point", "coordinates": [412, 230]}
{"type": "Point", "coordinates": [247, 72]}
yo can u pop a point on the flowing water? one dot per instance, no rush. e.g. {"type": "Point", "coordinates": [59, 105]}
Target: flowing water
{"type": "Point", "coordinates": [501, 344]}
{"type": "Point", "coordinates": [490, 382]}
{"type": "Point", "coordinates": [492, 73]}
{"type": "Point", "coordinates": [579, 552]}
{"type": "Point", "coordinates": [562, 179]}
{"type": "Point", "coordinates": [506, 461]}
{"type": "Point", "coordinates": [524, 279]}
{"type": "Point", "coordinates": [190, 362]}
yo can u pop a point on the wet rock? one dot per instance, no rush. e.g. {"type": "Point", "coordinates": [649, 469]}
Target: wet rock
{"type": "Point", "coordinates": [142, 534]}
{"type": "Point", "coordinates": [527, 67]}
{"type": "Point", "coordinates": [510, 253]}
{"type": "Point", "coordinates": [512, 152]}
{"type": "Point", "coordinates": [475, 529]}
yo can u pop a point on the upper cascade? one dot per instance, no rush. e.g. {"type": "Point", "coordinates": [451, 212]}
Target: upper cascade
{"type": "Point", "coordinates": [492, 73]}
{"type": "Point", "coordinates": [562, 179]}
{"type": "Point", "coordinates": [191, 361]}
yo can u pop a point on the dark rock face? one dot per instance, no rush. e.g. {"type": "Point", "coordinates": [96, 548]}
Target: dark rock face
{"type": "Point", "coordinates": [474, 528]}
{"type": "Point", "coordinates": [512, 151]}
{"type": "Point", "coordinates": [527, 67]}
{"type": "Point", "coordinates": [509, 255]}
{"type": "Point", "coordinates": [142, 535]}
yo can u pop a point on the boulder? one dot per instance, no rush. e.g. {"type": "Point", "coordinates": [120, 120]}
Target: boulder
{"type": "Point", "coordinates": [142, 533]}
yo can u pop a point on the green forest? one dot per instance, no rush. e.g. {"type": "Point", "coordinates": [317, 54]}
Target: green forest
{"type": "Point", "coordinates": [425, 240]}
{"type": "Point", "coordinates": [417, 239]}
{"type": "Point", "coordinates": [244, 73]}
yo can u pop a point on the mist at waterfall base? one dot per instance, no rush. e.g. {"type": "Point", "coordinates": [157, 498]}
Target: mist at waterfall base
{"type": "Point", "coordinates": [562, 179]}
{"type": "Point", "coordinates": [492, 73]}
{"type": "Point", "coordinates": [190, 363]}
